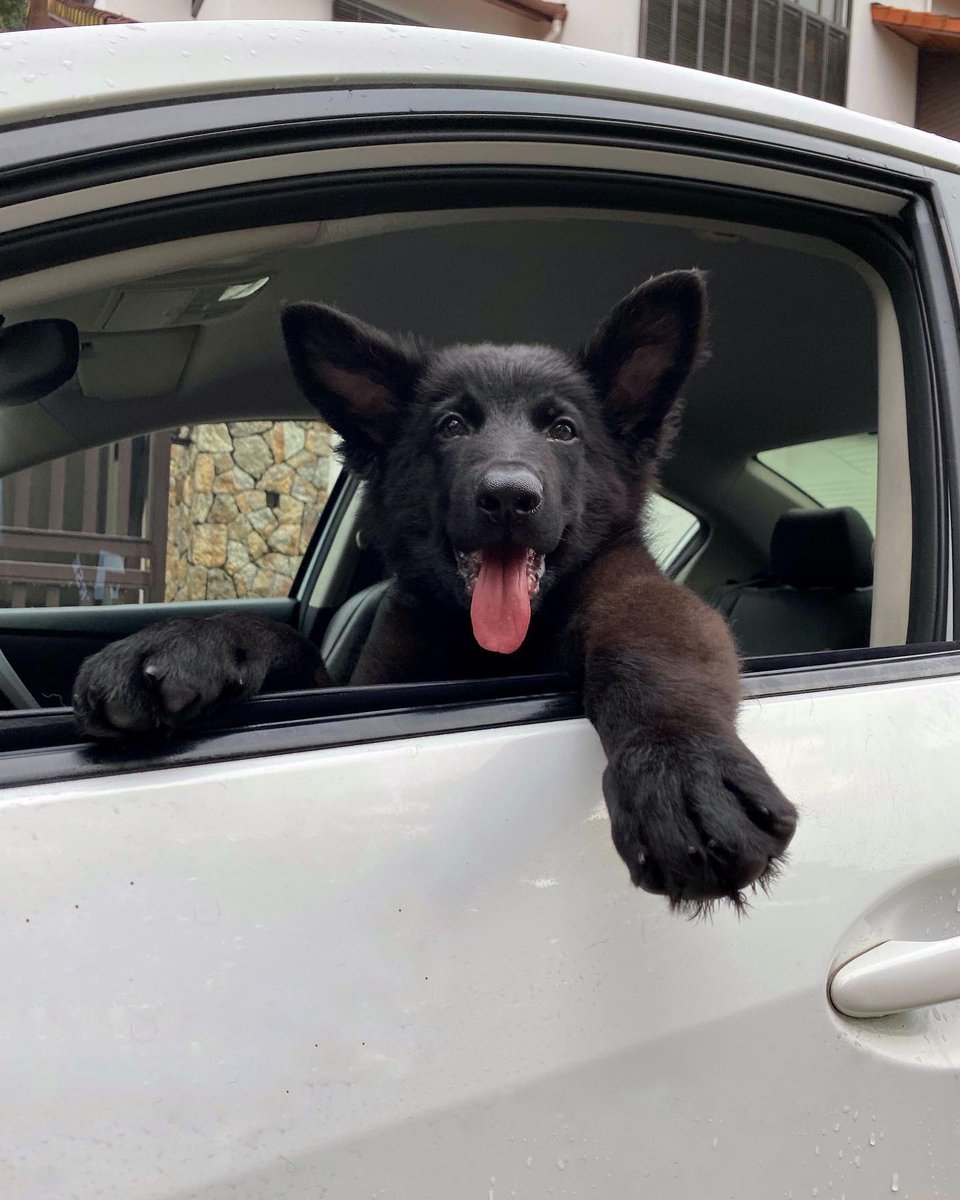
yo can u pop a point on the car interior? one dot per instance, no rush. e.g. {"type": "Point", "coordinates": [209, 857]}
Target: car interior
{"type": "Point", "coordinates": [804, 553]}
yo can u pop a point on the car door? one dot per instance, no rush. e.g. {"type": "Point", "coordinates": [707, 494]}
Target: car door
{"type": "Point", "coordinates": [378, 943]}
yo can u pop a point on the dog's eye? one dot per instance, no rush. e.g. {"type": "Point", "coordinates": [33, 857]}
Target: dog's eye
{"type": "Point", "coordinates": [452, 426]}
{"type": "Point", "coordinates": [562, 431]}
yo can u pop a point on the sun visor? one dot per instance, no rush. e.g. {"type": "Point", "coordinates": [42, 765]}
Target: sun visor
{"type": "Point", "coordinates": [131, 366]}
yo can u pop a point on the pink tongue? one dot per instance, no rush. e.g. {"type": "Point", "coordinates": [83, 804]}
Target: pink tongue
{"type": "Point", "coordinates": [500, 608]}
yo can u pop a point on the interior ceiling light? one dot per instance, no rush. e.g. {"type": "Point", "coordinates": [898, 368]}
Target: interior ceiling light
{"type": "Point", "coordinates": [242, 291]}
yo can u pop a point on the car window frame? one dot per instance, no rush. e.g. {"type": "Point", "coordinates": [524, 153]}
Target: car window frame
{"type": "Point", "coordinates": [121, 152]}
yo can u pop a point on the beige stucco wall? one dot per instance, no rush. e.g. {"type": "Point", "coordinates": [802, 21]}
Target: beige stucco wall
{"type": "Point", "coordinates": [882, 75]}
{"type": "Point", "coordinates": [612, 25]}
{"type": "Point", "coordinates": [148, 10]}
{"type": "Point", "coordinates": [257, 10]}
{"type": "Point", "coordinates": [221, 10]}
{"type": "Point", "coordinates": [597, 24]}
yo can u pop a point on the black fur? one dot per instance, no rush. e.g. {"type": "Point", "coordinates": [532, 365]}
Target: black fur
{"type": "Point", "coordinates": [473, 452]}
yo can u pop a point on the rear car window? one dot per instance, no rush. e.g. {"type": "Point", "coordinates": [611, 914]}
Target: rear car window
{"type": "Point", "coordinates": [834, 472]}
{"type": "Point", "coordinates": [221, 511]}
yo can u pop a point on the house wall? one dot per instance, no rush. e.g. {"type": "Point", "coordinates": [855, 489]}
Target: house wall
{"type": "Point", "coordinates": [257, 10]}
{"type": "Point", "coordinates": [612, 25]}
{"type": "Point", "coordinates": [147, 10]}
{"type": "Point", "coordinates": [882, 73]}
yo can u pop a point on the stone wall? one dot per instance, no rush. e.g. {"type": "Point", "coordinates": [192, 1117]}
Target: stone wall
{"type": "Point", "coordinates": [245, 497]}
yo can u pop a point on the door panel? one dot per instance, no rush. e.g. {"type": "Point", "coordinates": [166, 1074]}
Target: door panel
{"type": "Point", "coordinates": [46, 646]}
{"type": "Point", "coordinates": [417, 969]}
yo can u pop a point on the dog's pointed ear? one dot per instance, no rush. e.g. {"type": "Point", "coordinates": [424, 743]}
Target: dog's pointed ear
{"type": "Point", "coordinates": [641, 355]}
{"type": "Point", "coordinates": [359, 378]}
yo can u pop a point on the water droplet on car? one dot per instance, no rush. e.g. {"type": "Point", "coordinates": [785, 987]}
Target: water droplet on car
{"type": "Point", "coordinates": [873, 1139]}
{"type": "Point", "coordinates": [716, 1142]}
{"type": "Point", "coordinates": [110, 83]}
{"type": "Point", "coordinates": [29, 78]}
{"type": "Point", "coordinates": [67, 63]}
{"type": "Point", "coordinates": [856, 1160]}
{"type": "Point", "coordinates": [529, 1163]}
{"type": "Point", "coordinates": [6, 45]}
{"type": "Point", "coordinates": [895, 1182]}
{"type": "Point", "coordinates": [562, 1163]}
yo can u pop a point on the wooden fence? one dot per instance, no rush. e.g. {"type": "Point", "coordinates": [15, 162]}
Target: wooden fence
{"type": "Point", "coordinates": [90, 528]}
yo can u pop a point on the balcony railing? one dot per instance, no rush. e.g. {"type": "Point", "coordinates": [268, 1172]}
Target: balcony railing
{"type": "Point", "coordinates": [74, 12]}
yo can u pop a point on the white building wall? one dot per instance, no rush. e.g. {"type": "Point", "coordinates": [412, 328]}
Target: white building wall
{"type": "Point", "coordinates": [476, 15]}
{"type": "Point", "coordinates": [612, 25]}
{"type": "Point", "coordinates": [147, 10]}
{"type": "Point", "coordinates": [882, 72]}
{"type": "Point", "coordinates": [257, 10]}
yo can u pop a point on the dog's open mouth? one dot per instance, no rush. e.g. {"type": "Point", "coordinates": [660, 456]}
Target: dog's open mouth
{"type": "Point", "coordinates": [501, 581]}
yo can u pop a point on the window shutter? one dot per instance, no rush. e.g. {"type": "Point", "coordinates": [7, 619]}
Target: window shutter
{"type": "Point", "coordinates": [688, 32]}
{"type": "Point", "coordinates": [658, 29]}
{"type": "Point", "coordinates": [836, 90]}
{"type": "Point", "coordinates": [813, 53]}
{"type": "Point", "coordinates": [741, 28]}
{"type": "Point", "coordinates": [790, 44]}
{"type": "Point", "coordinates": [360, 10]}
{"type": "Point", "coordinates": [790, 49]}
{"type": "Point", "coordinates": [766, 56]}
{"type": "Point", "coordinates": [714, 33]}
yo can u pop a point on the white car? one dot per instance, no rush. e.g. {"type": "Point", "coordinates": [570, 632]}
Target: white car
{"type": "Point", "coordinates": [376, 942]}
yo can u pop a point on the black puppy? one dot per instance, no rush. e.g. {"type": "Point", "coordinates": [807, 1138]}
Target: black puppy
{"type": "Point", "coordinates": [504, 487]}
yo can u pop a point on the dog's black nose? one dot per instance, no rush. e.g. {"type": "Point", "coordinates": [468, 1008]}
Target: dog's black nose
{"type": "Point", "coordinates": [508, 494]}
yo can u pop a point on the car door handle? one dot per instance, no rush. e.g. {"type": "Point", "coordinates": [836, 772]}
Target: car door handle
{"type": "Point", "coordinates": [896, 976]}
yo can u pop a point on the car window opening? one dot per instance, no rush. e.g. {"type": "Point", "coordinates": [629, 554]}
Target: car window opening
{"type": "Point", "coordinates": [198, 476]}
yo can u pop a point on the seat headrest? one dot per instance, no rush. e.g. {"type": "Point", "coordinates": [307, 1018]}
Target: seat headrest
{"type": "Point", "coordinates": [826, 547]}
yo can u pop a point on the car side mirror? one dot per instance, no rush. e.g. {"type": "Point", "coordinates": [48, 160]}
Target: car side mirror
{"type": "Point", "coordinates": [36, 357]}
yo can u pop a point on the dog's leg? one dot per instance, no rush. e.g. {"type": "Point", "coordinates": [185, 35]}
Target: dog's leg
{"type": "Point", "coordinates": [175, 670]}
{"type": "Point", "coordinates": [693, 813]}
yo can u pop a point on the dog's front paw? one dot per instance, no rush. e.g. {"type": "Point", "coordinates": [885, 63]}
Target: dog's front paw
{"type": "Point", "coordinates": [696, 818]}
{"type": "Point", "coordinates": [159, 678]}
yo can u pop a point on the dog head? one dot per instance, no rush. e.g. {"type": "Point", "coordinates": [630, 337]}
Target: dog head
{"type": "Point", "coordinates": [492, 472]}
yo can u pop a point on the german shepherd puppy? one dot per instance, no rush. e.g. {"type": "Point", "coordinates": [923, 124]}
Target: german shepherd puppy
{"type": "Point", "coordinates": [504, 487]}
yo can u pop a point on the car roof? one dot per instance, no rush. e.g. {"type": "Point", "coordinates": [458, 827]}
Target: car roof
{"type": "Point", "coordinates": [57, 72]}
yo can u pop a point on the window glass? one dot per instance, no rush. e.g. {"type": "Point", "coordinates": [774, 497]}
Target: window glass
{"type": "Point", "coordinates": [834, 472]}
{"type": "Point", "coordinates": [205, 512]}
{"type": "Point", "coordinates": [669, 528]}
